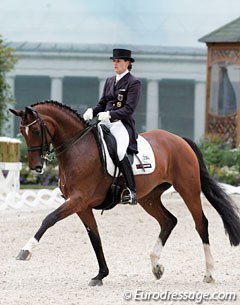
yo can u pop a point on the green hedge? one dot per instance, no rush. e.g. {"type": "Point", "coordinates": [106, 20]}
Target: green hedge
{"type": "Point", "coordinates": [48, 178]}
{"type": "Point", "coordinates": [222, 161]}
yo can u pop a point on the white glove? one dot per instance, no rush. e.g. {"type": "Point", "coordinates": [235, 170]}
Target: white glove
{"type": "Point", "coordinates": [103, 116]}
{"type": "Point", "coordinates": [88, 114]}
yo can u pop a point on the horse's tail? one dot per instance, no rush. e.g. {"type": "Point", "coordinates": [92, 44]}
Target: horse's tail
{"type": "Point", "coordinates": [223, 204]}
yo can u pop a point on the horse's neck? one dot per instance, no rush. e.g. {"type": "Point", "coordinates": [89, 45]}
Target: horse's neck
{"type": "Point", "coordinates": [66, 130]}
{"type": "Point", "coordinates": [66, 126]}
{"type": "Point", "coordinates": [79, 157]}
{"type": "Point", "coordinates": [80, 160]}
{"type": "Point", "coordinates": [69, 133]}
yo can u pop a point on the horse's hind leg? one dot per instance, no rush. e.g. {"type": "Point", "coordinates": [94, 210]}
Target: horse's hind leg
{"type": "Point", "coordinates": [153, 205]}
{"type": "Point", "coordinates": [88, 220]}
{"type": "Point", "coordinates": [191, 197]}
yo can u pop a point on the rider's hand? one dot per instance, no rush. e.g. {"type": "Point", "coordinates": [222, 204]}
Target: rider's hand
{"type": "Point", "coordinates": [103, 116]}
{"type": "Point", "coordinates": [88, 114]}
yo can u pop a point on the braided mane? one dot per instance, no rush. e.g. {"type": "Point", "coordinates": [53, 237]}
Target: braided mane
{"type": "Point", "coordinates": [62, 106]}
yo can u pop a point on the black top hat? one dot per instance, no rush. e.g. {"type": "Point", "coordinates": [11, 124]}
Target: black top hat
{"type": "Point", "coordinates": [122, 54]}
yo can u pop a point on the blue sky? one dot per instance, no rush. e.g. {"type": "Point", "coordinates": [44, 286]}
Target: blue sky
{"type": "Point", "coordinates": [148, 22]}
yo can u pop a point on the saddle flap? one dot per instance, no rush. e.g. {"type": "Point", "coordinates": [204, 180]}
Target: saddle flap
{"type": "Point", "coordinates": [110, 142]}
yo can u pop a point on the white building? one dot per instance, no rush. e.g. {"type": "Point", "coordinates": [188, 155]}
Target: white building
{"type": "Point", "coordinates": [173, 81]}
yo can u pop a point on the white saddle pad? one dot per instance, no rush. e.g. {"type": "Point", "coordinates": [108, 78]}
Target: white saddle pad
{"type": "Point", "coordinates": [143, 162]}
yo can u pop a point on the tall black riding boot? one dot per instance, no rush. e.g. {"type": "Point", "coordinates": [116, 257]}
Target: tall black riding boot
{"type": "Point", "coordinates": [127, 171]}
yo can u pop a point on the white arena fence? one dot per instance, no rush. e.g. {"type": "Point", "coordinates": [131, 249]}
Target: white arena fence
{"type": "Point", "coordinates": [29, 199]}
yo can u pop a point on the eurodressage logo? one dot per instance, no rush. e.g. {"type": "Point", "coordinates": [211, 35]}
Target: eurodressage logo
{"type": "Point", "coordinates": [195, 296]}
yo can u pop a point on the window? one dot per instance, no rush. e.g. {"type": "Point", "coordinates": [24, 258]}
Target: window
{"type": "Point", "coordinates": [30, 90]}
{"type": "Point", "coordinates": [176, 106]}
{"type": "Point", "coordinates": [80, 92]}
{"type": "Point", "coordinates": [225, 78]}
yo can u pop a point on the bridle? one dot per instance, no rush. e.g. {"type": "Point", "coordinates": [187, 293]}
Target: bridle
{"type": "Point", "coordinates": [44, 148]}
{"type": "Point", "coordinates": [47, 153]}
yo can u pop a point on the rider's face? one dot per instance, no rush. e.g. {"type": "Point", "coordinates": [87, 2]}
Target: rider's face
{"type": "Point", "coordinates": [120, 65]}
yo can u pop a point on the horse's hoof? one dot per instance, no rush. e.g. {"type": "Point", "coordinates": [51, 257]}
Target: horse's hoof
{"type": "Point", "coordinates": [24, 255]}
{"type": "Point", "coordinates": [95, 282]}
{"type": "Point", "coordinates": [158, 271]}
{"type": "Point", "coordinates": [208, 279]}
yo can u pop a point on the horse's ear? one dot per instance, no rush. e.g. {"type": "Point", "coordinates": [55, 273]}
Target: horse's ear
{"type": "Point", "coordinates": [17, 112]}
{"type": "Point", "coordinates": [29, 110]}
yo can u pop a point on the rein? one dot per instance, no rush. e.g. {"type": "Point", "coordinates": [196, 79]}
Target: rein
{"type": "Point", "coordinates": [46, 152]}
{"type": "Point", "coordinates": [66, 145]}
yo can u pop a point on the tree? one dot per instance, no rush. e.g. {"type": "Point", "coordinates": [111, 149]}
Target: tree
{"type": "Point", "coordinates": [7, 62]}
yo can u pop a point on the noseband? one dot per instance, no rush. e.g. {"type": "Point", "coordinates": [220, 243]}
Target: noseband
{"type": "Point", "coordinates": [46, 153]}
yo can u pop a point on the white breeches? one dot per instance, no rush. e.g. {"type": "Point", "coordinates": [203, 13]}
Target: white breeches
{"type": "Point", "coordinates": [119, 131]}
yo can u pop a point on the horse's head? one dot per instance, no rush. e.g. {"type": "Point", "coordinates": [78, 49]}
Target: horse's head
{"type": "Point", "coordinates": [37, 136]}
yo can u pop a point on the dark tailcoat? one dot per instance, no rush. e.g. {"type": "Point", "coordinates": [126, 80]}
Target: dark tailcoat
{"type": "Point", "coordinates": [121, 100]}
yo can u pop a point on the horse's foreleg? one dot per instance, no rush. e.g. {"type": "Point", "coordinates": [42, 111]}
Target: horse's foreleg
{"type": "Point", "coordinates": [63, 211]}
{"type": "Point", "coordinates": [153, 205]}
{"type": "Point", "coordinates": [89, 221]}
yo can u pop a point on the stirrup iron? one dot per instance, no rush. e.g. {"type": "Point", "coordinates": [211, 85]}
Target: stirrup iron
{"type": "Point", "coordinates": [127, 197]}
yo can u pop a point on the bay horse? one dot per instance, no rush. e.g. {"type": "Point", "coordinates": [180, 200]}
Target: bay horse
{"type": "Point", "coordinates": [84, 184]}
